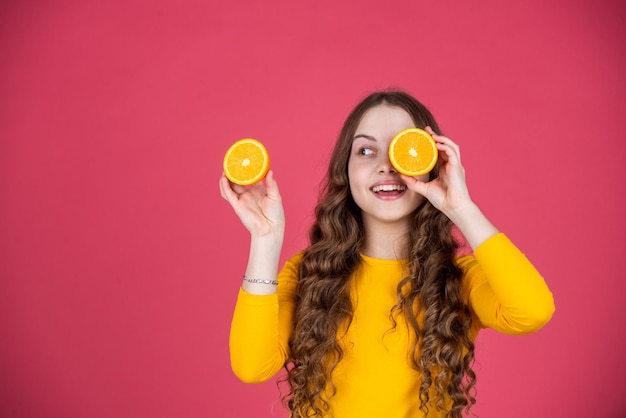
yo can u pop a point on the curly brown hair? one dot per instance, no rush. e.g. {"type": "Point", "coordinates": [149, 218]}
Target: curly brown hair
{"type": "Point", "coordinates": [429, 298]}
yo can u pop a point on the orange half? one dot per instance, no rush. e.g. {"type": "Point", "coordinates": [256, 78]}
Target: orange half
{"type": "Point", "coordinates": [246, 162]}
{"type": "Point", "coordinates": [413, 152]}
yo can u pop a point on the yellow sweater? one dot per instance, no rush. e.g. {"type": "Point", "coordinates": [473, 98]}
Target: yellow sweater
{"type": "Point", "coordinates": [374, 379]}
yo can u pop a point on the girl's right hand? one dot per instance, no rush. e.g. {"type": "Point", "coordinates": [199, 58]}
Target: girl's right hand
{"type": "Point", "coordinates": [259, 206]}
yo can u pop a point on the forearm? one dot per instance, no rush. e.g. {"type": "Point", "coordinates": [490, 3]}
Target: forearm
{"type": "Point", "coordinates": [474, 226]}
{"type": "Point", "coordinates": [263, 264]}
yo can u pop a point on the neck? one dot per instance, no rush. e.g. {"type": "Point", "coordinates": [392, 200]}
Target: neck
{"type": "Point", "coordinates": [386, 241]}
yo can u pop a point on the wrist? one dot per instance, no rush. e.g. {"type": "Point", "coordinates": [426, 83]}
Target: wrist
{"type": "Point", "coordinates": [474, 226]}
{"type": "Point", "coordinates": [463, 212]}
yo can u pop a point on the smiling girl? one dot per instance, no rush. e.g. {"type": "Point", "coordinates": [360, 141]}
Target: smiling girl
{"type": "Point", "coordinates": [378, 316]}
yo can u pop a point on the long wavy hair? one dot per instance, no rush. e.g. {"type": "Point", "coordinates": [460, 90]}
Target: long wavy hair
{"type": "Point", "coordinates": [429, 298]}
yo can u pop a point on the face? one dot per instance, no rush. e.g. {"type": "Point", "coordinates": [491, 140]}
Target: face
{"type": "Point", "coordinates": [375, 185]}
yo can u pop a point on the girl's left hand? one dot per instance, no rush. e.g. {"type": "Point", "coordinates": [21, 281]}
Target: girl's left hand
{"type": "Point", "coordinates": [448, 192]}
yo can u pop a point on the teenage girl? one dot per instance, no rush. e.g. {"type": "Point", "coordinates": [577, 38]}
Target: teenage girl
{"type": "Point", "coordinates": [377, 317]}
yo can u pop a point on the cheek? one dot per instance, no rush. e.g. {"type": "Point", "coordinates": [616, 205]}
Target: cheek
{"type": "Point", "coordinates": [351, 178]}
{"type": "Point", "coordinates": [353, 185]}
{"type": "Point", "coordinates": [353, 173]}
{"type": "Point", "coordinates": [357, 182]}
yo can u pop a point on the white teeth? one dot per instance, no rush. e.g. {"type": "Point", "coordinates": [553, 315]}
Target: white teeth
{"type": "Point", "coordinates": [389, 188]}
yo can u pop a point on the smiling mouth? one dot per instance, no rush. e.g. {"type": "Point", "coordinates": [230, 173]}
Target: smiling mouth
{"type": "Point", "coordinates": [389, 188]}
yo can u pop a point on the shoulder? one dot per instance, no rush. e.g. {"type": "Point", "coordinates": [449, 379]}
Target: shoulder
{"type": "Point", "coordinates": [495, 249]}
{"type": "Point", "coordinates": [293, 263]}
{"type": "Point", "coordinates": [466, 261]}
{"type": "Point", "coordinates": [473, 275]}
{"type": "Point", "coordinates": [288, 275]}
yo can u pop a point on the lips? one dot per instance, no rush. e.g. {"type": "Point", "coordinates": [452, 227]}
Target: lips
{"type": "Point", "coordinates": [388, 188]}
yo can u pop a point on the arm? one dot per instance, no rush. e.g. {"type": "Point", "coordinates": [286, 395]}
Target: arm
{"type": "Point", "coordinates": [261, 326]}
{"type": "Point", "coordinates": [260, 209]}
{"type": "Point", "coordinates": [504, 289]}
{"type": "Point", "coordinates": [449, 193]}
{"type": "Point", "coordinates": [256, 354]}
{"type": "Point", "coordinates": [507, 293]}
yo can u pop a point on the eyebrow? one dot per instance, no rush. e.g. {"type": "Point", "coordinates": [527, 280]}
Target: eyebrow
{"type": "Point", "coordinates": [369, 137]}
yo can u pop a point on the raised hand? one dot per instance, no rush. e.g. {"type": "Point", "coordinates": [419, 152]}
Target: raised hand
{"type": "Point", "coordinates": [259, 206]}
{"type": "Point", "coordinates": [449, 193]}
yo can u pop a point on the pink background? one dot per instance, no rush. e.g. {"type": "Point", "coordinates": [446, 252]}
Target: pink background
{"type": "Point", "coordinates": [120, 263]}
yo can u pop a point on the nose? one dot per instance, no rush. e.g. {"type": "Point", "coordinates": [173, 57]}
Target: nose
{"type": "Point", "coordinates": [385, 165]}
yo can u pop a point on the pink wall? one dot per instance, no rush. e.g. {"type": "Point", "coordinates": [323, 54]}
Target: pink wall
{"type": "Point", "coordinates": [120, 263]}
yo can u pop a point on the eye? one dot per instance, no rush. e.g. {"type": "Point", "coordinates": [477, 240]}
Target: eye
{"type": "Point", "coordinates": [365, 151]}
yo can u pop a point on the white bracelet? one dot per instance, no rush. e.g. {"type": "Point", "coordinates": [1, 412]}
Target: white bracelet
{"type": "Point", "coordinates": [259, 281]}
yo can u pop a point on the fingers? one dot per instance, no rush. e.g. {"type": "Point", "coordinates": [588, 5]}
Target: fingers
{"type": "Point", "coordinates": [450, 149]}
{"type": "Point", "coordinates": [226, 190]}
{"type": "Point", "coordinates": [232, 192]}
{"type": "Point", "coordinates": [223, 183]}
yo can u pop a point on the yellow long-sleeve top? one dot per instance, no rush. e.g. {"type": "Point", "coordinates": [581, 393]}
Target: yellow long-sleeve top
{"type": "Point", "coordinates": [374, 379]}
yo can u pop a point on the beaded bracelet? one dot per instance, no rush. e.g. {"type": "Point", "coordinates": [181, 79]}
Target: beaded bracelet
{"type": "Point", "coordinates": [259, 281]}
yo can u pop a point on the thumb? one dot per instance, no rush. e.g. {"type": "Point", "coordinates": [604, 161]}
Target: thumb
{"type": "Point", "coordinates": [416, 185]}
{"type": "Point", "coordinates": [272, 186]}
